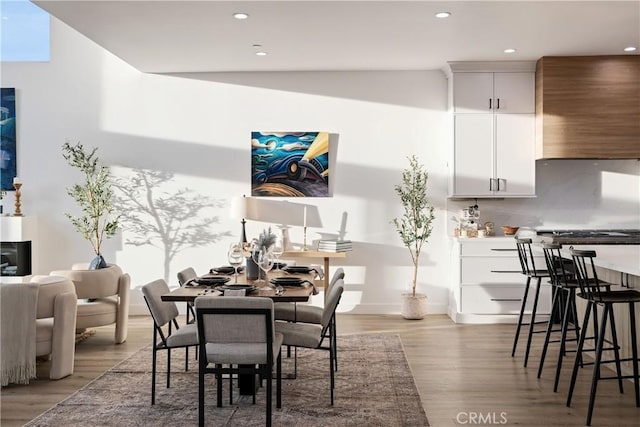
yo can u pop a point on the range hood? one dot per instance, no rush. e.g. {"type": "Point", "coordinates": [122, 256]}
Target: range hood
{"type": "Point", "coordinates": [587, 107]}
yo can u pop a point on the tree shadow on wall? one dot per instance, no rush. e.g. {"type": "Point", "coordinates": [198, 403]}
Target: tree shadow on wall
{"type": "Point", "coordinates": [166, 219]}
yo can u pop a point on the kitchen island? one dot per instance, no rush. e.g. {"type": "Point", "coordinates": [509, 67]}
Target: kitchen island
{"type": "Point", "coordinates": [618, 265]}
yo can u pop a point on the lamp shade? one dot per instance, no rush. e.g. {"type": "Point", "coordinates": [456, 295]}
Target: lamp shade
{"type": "Point", "coordinates": [239, 207]}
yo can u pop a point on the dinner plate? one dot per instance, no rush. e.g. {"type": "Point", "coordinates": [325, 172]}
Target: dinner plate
{"type": "Point", "coordinates": [300, 269]}
{"type": "Point", "coordinates": [237, 287]}
{"type": "Point", "coordinates": [225, 269]}
{"type": "Point", "coordinates": [212, 280]}
{"type": "Point", "coordinates": [288, 281]}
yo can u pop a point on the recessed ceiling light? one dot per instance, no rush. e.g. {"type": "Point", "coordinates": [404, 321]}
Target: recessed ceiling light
{"type": "Point", "coordinates": [443, 15]}
{"type": "Point", "coordinates": [510, 50]}
{"type": "Point", "coordinates": [241, 15]}
{"type": "Point", "coordinates": [261, 53]}
{"type": "Point", "coordinates": [629, 48]}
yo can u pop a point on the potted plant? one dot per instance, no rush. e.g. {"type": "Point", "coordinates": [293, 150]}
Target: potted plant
{"type": "Point", "coordinates": [95, 197]}
{"type": "Point", "coordinates": [414, 228]}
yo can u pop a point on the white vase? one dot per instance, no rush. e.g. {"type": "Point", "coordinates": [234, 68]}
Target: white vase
{"type": "Point", "coordinates": [413, 307]}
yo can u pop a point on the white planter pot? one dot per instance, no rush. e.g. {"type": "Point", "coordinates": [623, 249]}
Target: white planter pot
{"type": "Point", "coordinates": [413, 307]}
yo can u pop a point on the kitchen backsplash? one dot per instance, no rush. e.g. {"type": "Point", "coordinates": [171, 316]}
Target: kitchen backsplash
{"type": "Point", "coordinates": [570, 194]}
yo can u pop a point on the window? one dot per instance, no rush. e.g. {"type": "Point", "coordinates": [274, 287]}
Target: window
{"type": "Point", "coordinates": [24, 32]}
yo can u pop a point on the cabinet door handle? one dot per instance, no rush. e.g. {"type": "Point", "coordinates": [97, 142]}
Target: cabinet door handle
{"type": "Point", "coordinates": [498, 182]}
{"type": "Point", "coordinates": [506, 299]}
{"type": "Point", "coordinates": [498, 106]}
{"type": "Point", "coordinates": [490, 184]}
{"type": "Point", "coordinates": [489, 103]}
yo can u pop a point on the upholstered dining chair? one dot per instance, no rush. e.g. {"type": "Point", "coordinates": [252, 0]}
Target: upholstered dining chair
{"type": "Point", "coordinates": [313, 336]}
{"type": "Point", "coordinates": [306, 313]}
{"type": "Point", "coordinates": [103, 297]}
{"type": "Point", "coordinates": [237, 336]}
{"type": "Point", "coordinates": [184, 278]}
{"type": "Point", "coordinates": [165, 327]}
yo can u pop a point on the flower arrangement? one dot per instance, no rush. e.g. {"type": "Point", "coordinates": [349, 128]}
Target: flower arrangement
{"type": "Point", "coordinates": [266, 239]}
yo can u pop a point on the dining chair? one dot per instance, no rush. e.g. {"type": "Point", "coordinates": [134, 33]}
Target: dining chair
{"type": "Point", "coordinates": [595, 293]}
{"type": "Point", "coordinates": [184, 278]}
{"type": "Point", "coordinates": [308, 335]}
{"type": "Point", "coordinates": [237, 336]}
{"type": "Point", "coordinates": [165, 327]}
{"type": "Point", "coordinates": [306, 313]}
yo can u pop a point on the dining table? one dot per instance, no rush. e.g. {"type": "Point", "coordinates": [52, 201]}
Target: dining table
{"type": "Point", "coordinates": [297, 293]}
{"type": "Point", "coordinates": [247, 384]}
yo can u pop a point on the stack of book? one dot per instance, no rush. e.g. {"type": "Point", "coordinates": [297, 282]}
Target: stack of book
{"type": "Point", "coordinates": [334, 245]}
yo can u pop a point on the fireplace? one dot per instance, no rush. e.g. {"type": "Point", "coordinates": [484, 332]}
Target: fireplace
{"type": "Point", "coordinates": [15, 258]}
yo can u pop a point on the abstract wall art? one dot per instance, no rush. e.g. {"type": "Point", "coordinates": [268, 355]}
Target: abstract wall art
{"type": "Point", "coordinates": [8, 158]}
{"type": "Point", "coordinates": [290, 164]}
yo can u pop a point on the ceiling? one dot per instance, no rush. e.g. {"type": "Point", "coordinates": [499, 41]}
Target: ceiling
{"type": "Point", "coordinates": [202, 36]}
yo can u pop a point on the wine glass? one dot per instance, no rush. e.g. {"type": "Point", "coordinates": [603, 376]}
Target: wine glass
{"type": "Point", "coordinates": [277, 249]}
{"type": "Point", "coordinates": [235, 257]}
{"type": "Point", "coordinates": [264, 259]}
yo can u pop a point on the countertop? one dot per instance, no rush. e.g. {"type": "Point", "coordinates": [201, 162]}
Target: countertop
{"type": "Point", "coordinates": [622, 258]}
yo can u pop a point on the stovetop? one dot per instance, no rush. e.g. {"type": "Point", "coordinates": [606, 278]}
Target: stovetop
{"type": "Point", "coordinates": [600, 237]}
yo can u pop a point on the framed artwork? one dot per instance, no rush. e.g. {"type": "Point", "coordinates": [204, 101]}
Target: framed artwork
{"type": "Point", "coordinates": [290, 164]}
{"type": "Point", "coordinates": [8, 152]}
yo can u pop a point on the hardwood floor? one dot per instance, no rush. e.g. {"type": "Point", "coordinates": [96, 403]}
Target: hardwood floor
{"type": "Point", "coordinates": [464, 373]}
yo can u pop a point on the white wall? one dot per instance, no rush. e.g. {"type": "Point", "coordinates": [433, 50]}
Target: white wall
{"type": "Point", "coordinates": [198, 128]}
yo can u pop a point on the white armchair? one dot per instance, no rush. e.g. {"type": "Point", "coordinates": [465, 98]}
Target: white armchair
{"type": "Point", "coordinates": [56, 323]}
{"type": "Point", "coordinates": [38, 319]}
{"type": "Point", "coordinates": [103, 297]}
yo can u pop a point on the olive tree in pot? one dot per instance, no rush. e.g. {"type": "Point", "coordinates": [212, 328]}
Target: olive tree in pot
{"type": "Point", "coordinates": [414, 228]}
{"type": "Point", "coordinates": [95, 197]}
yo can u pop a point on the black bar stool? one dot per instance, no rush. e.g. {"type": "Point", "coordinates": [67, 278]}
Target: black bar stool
{"type": "Point", "coordinates": [596, 294]}
{"type": "Point", "coordinates": [564, 299]}
{"type": "Point", "coordinates": [564, 287]}
{"type": "Point", "coordinates": [529, 269]}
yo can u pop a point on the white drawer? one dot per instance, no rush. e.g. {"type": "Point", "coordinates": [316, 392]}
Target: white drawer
{"type": "Point", "coordinates": [488, 247]}
{"type": "Point", "coordinates": [503, 299]}
{"type": "Point", "coordinates": [486, 270]}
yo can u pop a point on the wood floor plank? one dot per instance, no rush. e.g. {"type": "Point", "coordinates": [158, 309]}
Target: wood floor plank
{"type": "Point", "coordinates": [464, 373]}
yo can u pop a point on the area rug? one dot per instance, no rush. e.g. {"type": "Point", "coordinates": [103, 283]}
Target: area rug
{"type": "Point", "coordinates": [374, 387]}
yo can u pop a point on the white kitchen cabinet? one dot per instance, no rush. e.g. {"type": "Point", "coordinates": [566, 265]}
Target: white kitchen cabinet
{"type": "Point", "coordinates": [488, 284]}
{"type": "Point", "coordinates": [494, 155]}
{"type": "Point", "coordinates": [494, 131]}
{"type": "Point", "coordinates": [507, 93]}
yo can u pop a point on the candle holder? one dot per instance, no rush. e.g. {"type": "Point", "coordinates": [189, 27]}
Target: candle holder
{"type": "Point", "coordinates": [18, 211]}
{"type": "Point", "coordinates": [304, 245]}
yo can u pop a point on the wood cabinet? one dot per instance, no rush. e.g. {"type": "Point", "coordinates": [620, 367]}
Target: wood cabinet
{"type": "Point", "coordinates": [588, 107]}
{"type": "Point", "coordinates": [494, 130]}
{"type": "Point", "coordinates": [488, 282]}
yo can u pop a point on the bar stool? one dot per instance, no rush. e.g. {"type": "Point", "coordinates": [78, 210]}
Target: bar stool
{"type": "Point", "coordinates": [594, 292]}
{"type": "Point", "coordinates": [565, 285]}
{"type": "Point", "coordinates": [529, 269]}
